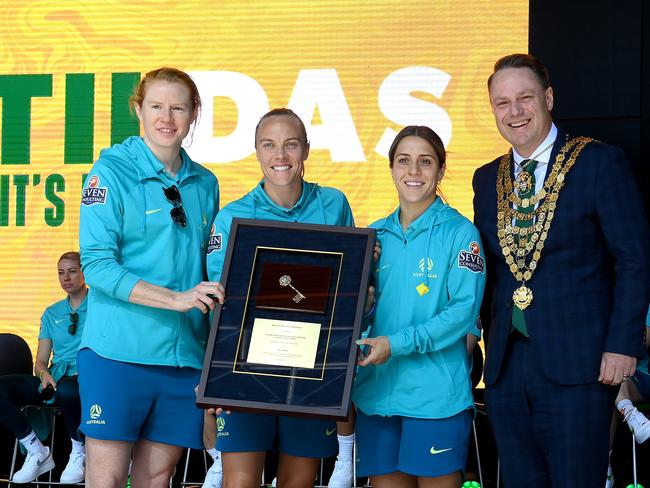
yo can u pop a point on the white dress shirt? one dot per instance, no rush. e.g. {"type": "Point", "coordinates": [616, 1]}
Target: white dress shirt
{"type": "Point", "coordinates": [541, 158]}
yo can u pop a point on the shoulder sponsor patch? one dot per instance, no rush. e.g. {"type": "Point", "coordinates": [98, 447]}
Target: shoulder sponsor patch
{"type": "Point", "coordinates": [472, 259]}
{"type": "Point", "coordinates": [214, 244]}
{"type": "Point", "coordinates": [93, 193]}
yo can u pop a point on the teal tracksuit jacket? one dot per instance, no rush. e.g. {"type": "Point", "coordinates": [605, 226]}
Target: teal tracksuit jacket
{"type": "Point", "coordinates": [54, 326]}
{"type": "Point", "coordinates": [126, 234]}
{"type": "Point", "coordinates": [429, 285]}
{"type": "Point", "coordinates": [316, 205]}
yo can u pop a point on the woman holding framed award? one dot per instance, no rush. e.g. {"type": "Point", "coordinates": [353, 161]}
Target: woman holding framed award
{"type": "Point", "coordinates": [282, 195]}
{"type": "Point", "coordinates": [413, 390]}
{"type": "Point", "coordinates": [145, 217]}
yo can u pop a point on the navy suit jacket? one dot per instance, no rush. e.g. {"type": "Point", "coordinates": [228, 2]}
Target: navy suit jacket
{"type": "Point", "coordinates": [592, 284]}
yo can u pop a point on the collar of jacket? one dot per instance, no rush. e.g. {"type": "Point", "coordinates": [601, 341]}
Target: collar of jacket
{"type": "Point", "coordinates": [148, 166]}
{"type": "Point", "coordinates": [260, 195]}
{"type": "Point", "coordinates": [424, 222]}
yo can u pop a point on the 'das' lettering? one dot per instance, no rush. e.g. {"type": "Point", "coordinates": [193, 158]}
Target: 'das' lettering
{"type": "Point", "coordinates": [315, 91]}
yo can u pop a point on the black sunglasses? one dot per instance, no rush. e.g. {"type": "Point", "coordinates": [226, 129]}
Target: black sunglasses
{"type": "Point", "coordinates": [174, 197]}
{"type": "Point", "coordinates": [72, 328]}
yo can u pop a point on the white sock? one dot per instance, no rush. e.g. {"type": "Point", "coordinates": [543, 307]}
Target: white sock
{"type": "Point", "coordinates": [78, 446]}
{"type": "Point", "coordinates": [346, 443]}
{"type": "Point", "coordinates": [624, 406]}
{"type": "Point", "coordinates": [214, 454]}
{"type": "Point", "coordinates": [33, 444]}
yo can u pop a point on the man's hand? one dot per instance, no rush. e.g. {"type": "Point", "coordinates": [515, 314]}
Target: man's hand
{"type": "Point", "coordinates": [615, 368]}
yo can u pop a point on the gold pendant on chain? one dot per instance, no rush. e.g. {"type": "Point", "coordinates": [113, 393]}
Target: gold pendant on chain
{"type": "Point", "coordinates": [522, 297]}
{"type": "Point", "coordinates": [524, 183]}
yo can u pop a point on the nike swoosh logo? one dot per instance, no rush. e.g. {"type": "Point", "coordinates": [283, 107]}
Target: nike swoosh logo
{"type": "Point", "coordinates": [330, 432]}
{"type": "Point", "coordinates": [149, 212]}
{"type": "Point", "coordinates": [385, 266]}
{"type": "Point", "coordinates": [40, 463]}
{"type": "Point", "coordinates": [434, 451]}
{"type": "Point", "coordinates": [57, 321]}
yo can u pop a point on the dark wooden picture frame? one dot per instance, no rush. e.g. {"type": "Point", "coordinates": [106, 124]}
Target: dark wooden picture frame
{"type": "Point", "coordinates": [228, 380]}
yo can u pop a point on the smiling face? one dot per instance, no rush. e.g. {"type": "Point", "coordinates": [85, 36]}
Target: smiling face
{"type": "Point", "coordinates": [416, 172]}
{"type": "Point", "coordinates": [521, 108]}
{"type": "Point", "coordinates": [281, 151]}
{"type": "Point", "coordinates": [166, 114]}
{"type": "Point", "coordinates": [70, 276]}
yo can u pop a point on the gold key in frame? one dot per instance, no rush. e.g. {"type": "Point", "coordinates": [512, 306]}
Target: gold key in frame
{"type": "Point", "coordinates": [285, 280]}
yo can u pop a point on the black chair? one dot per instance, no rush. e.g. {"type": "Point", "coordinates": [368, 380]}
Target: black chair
{"type": "Point", "coordinates": [15, 355]}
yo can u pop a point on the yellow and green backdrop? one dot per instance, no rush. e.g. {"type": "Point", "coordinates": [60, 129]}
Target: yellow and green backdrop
{"type": "Point", "coordinates": [356, 71]}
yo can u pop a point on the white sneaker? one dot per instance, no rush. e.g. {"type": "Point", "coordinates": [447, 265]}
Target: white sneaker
{"type": "Point", "coordinates": [639, 425]}
{"type": "Point", "coordinates": [274, 482]}
{"type": "Point", "coordinates": [213, 477]}
{"type": "Point", "coordinates": [609, 482]}
{"type": "Point", "coordinates": [342, 474]}
{"type": "Point", "coordinates": [34, 466]}
{"type": "Point", "coordinates": [75, 470]}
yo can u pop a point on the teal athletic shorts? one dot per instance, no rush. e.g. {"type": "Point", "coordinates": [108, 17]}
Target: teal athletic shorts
{"type": "Point", "coordinates": [419, 447]}
{"type": "Point", "coordinates": [249, 432]}
{"type": "Point", "coordinates": [127, 402]}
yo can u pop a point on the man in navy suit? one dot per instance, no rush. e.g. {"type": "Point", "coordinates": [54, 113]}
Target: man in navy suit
{"type": "Point", "coordinates": [566, 241]}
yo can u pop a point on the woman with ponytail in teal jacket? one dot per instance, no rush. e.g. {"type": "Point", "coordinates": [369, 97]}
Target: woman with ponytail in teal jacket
{"type": "Point", "coordinates": [282, 148]}
{"type": "Point", "coordinates": [145, 220]}
{"type": "Point", "coordinates": [413, 390]}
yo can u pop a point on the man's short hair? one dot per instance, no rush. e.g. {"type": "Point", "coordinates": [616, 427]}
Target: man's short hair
{"type": "Point", "coordinates": [523, 61]}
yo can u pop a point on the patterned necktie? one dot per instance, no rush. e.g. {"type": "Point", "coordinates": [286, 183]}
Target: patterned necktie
{"type": "Point", "coordinates": [526, 189]}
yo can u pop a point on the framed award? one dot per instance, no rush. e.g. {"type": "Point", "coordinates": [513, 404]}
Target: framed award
{"type": "Point", "coordinates": [283, 342]}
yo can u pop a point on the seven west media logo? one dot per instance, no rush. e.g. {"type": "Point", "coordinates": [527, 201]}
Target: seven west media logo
{"type": "Point", "coordinates": [93, 193]}
{"type": "Point", "coordinates": [472, 259]}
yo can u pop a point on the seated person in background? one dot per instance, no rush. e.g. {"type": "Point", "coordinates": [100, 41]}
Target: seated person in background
{"type": "Point", "coordinates": [61, 327]}
{"type": "Point", "coordinates": [632, 391]}
{"type": "Point", "coordinates": [635, 391]}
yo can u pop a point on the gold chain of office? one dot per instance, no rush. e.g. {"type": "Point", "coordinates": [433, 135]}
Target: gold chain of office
{"type": "Point", "coordinates": [522, 246]}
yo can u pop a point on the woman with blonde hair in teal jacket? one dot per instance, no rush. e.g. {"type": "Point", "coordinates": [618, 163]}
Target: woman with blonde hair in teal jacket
{"type": "Point", "coordinates": [283, 195]}
{"type": "Point", "coordinates": [146, 211]}
{"type": "Point", "coordinates": [413, 390]}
